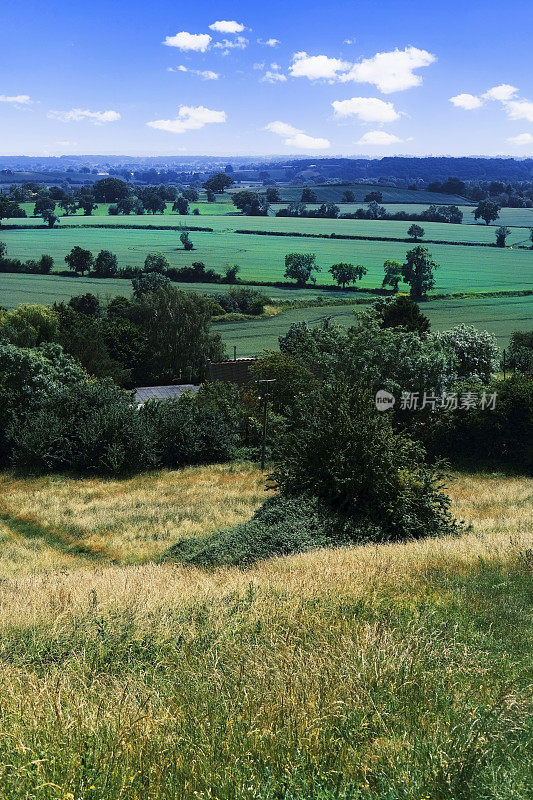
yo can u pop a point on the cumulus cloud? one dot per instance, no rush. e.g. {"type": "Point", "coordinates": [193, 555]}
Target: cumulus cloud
{"type": "Point", "coordinates": [269, 42]}
{"type": "Point", "coordinates": [293, 137]}
{"type": "Point", "coordinates": [515, 107]}
{"type": "Point", "coordinates": [316, 67]}
{"type": "Point", "coordinates": [521, 139]}
{"type": "Point", "coordinates": [391, 71]}
{"type": "Point", "coordinates": [227, 26]}
{"type": "Point", "coordinates": [205, 74]}
{"type": "Point", "coordinates": [189, 118]}
{"type": "Point", "coordinates": [238, 43]}
{"type": "Point", "coordinates": [379, 138]}
{"type": "Point", "coordinates": [519, 109]}
{"type": "Point", "coordinates": [502, 92]}
{"type": "Point", "coordinates": [80, 114]}
{"type": "Point", "coordinates": [189, 41]}
{"type": "Point", "coordinates": [16, 99]}
{"type": "Point", "coordinates": [367, 109]}
{"type": "Point", "coordinates": [467, 101]}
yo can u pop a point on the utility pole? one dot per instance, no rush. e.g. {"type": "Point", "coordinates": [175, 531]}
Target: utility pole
{"type": "Point", "coordinates": [265, 398]}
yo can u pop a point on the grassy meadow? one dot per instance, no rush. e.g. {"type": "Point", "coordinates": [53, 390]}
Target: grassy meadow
{"type": "Point", "coordinates": [388, 672]}
{"type": "Point", "coordinates": [261, 258]}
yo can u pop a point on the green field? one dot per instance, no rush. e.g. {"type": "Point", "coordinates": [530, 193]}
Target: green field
{"type": "Point", "coordinates": [391, 194]}
{"type": "Point", "coordinates": [261, 258]}
{"type": "Point", "coordinates": [499, 315]}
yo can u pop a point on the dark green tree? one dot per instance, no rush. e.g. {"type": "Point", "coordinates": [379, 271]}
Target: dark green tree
{"type": "Point", "coordinates": [487, 210]}
{"type": "Point", "coordinates": [300, 266]}
{"type": "Point", "coordinates": [105, 264]}
{"type": "Point", "coordinates": [415, 232]}
{"type": "Point", "coordinates": [218, 183]}
{"type": "Point", "coordinates": [393, 273]}
{"type": "Point", "coordinates": [347, 273]}
{"type": "Point", "coordinates": [79, 260]}
{"type": "Point", "coordinates": [501, 235]}
{"type": "Point", "coordinates": [418, 271]}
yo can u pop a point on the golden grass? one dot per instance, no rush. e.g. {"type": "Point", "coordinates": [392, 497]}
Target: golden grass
{"type": "Point", "coordinates": [127, 520]}
{"type": "Point", "coordinates": [369, 672]}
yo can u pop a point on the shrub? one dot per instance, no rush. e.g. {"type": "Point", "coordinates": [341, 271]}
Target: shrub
{"type": "Point", "coordinates": [339, 448]}
{"type": "Point", "coordinates": [183, 432]}
{"type": "Point", "coordinates": [520, 351]}
{"type": "Point", "coordinates": [476, 351]}
{"type": "Point", "coordinates": [243, 301]}
{"type": "Point", "coordinates": [90, 426]}
{"type": "Point", "coordinates": [283, 525]}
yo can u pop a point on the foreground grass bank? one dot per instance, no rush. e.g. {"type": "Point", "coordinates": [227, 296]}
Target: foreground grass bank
{"type": "Point", "coordinates": [391, 672]}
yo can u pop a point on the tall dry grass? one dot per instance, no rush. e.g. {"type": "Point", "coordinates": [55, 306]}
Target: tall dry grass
{"type": "Point", "coordinates": [390, 672]}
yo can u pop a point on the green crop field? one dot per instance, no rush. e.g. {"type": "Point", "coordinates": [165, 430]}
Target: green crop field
{"type": "Point", "coordinates": [391, 194]}
{"type": "Point", "coordinates": [498, 315]}
{"type": "Point", "coordinates": [261, 258]}
{"type": "Point", "coordinates": [16, 289]}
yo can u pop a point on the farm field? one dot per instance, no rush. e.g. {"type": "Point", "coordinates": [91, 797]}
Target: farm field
{"type": "Point", "coordinates": [46, 289]}
{"type": "Point", "coordinates": [261, 258]}
{"type": "Point", "coordinates": [386, 671]}
{"type": "Point", "coordinates": [498, 315]}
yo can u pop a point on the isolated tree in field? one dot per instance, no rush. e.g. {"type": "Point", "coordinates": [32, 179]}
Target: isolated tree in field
{"type": "Point", "coordinates": [210, 196]}
{"type": "Point", "coordinates": [181, 205]}
{"type": "Point", "coordinates": [69, 206]}
{"type": "Point", "coordinates": [218, 183]}
{"type": "Point", "coordinates": [105, 264]}
{"type": "Point", "coordinates": [244, 198]}
{"type": "Point", "coordinates": [393, 273]}
{"type": "Point", "coordinates": [156, 262]}
{"type": "Point", "coordinates": [49, 218]}
{"type": "Point", "coordinates": [347, 273]}
{"type": "Point", "coordinates": [375, 211]}
{"type": "Point", "coordinates": [300, 266]}
{"type": "Point", "coordinates": [416, 232]}
{"type": "Point", "coordinates": [44, 204]}
{"type": "Point", "coordinates": [79, 260]}
{"type": "Point", "coordinates": [418, 271]}
{"type": "Point", "coordinates": [308, 196]}
{"type": "Point", "coordinates": [273, 195]}
{"type": "Point", "coordinates": [488, 211]}
{"type": "Point", "coordinates": [185, 240]}
{"type": "Point", "coordinates": [374, 197]}
{"type": "Point", "coordinates": [126, 205]}
{"type": "Point", "coordinates": [348, 196]}
{"type": "Point", "coordinates": [45, 264]}
{"type": "Point", "coordinates": [87, 203]}
{"type": "Point", "coordinates": [501, 235]}
{"type": "Point", "coordinates": [153, 202]}
{"type": "Point", "coordinates": [191, 194]}
{"type": "Point", "coordinates": [8, 208]}
{"type": "Point", "coordinates": [110, 190]}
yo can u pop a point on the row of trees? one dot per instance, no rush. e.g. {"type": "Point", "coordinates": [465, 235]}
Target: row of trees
{"type": "Point", "coordinates": [418, 271]}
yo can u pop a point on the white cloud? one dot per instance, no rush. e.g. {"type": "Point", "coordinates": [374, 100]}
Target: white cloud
{"type": "Point", "coordinates": [349, 41]}
{"type": "Point", "coordinates": [316, 67]}
{"type": "Point", "coordinates": [296, 138]}
{"type": "Point", "coordinates": [80, 114]}
{"type": "Point", "coordinates": [379, 138]}
{"type": "Point", "coordinates": [259, 65]}
{"type": "Point", "coordinates": [239, 43]}
{"type": "Point", "coordinates": [272, 76]}
{"type": "Point", "coordinates": [519, 109]}
{"type": "Point", "coordinates": [521, 139]}
{"type": "Point", "coordinates": [227, 26]}
{"type": "Point", "coordinates": [205, 74]}
{"type": "Point", "coordinates": [502, 92]}
{"type": "Point", "coordinates": [189, 118]}
{"type": "Point", "coordinates": [189, 41]}
{"type": "Point", "coordinates": [16, 99]}
{"type": "Point", "coordinates": [367, 109]}
{"type": "Point", "coordinates": [269, 42]}
{"type": "Point", "coordinates": [392, 71]}
{"type": "Point", "coordinates": [467, 101]}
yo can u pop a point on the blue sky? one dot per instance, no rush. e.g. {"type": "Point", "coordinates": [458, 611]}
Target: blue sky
{"type": "Point", "coordinates": [370, 77]}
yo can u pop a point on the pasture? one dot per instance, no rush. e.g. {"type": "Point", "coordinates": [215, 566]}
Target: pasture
{"type": "Point", "coordinates": [261, 258]}
{"type": "Point", "coordinates": [362, 673]}
{"type": "Point", "coordinates": [498, 315]}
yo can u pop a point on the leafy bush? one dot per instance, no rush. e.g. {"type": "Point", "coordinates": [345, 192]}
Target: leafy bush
{"type": "Point", "coordinates": [476, 351]}
{"type": "Point", "coordinates": [339, 448]}
{"type": "Point", "coordinates": [283, 525]}
{"type": "Point", "coordinates": [182, 432]}
{"type": "Point", "coordinates": [520, 351]}
{"type": "Point", "coordinates": [243, 300]}
{"type": "Point", "coordinates": [90, 426]}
